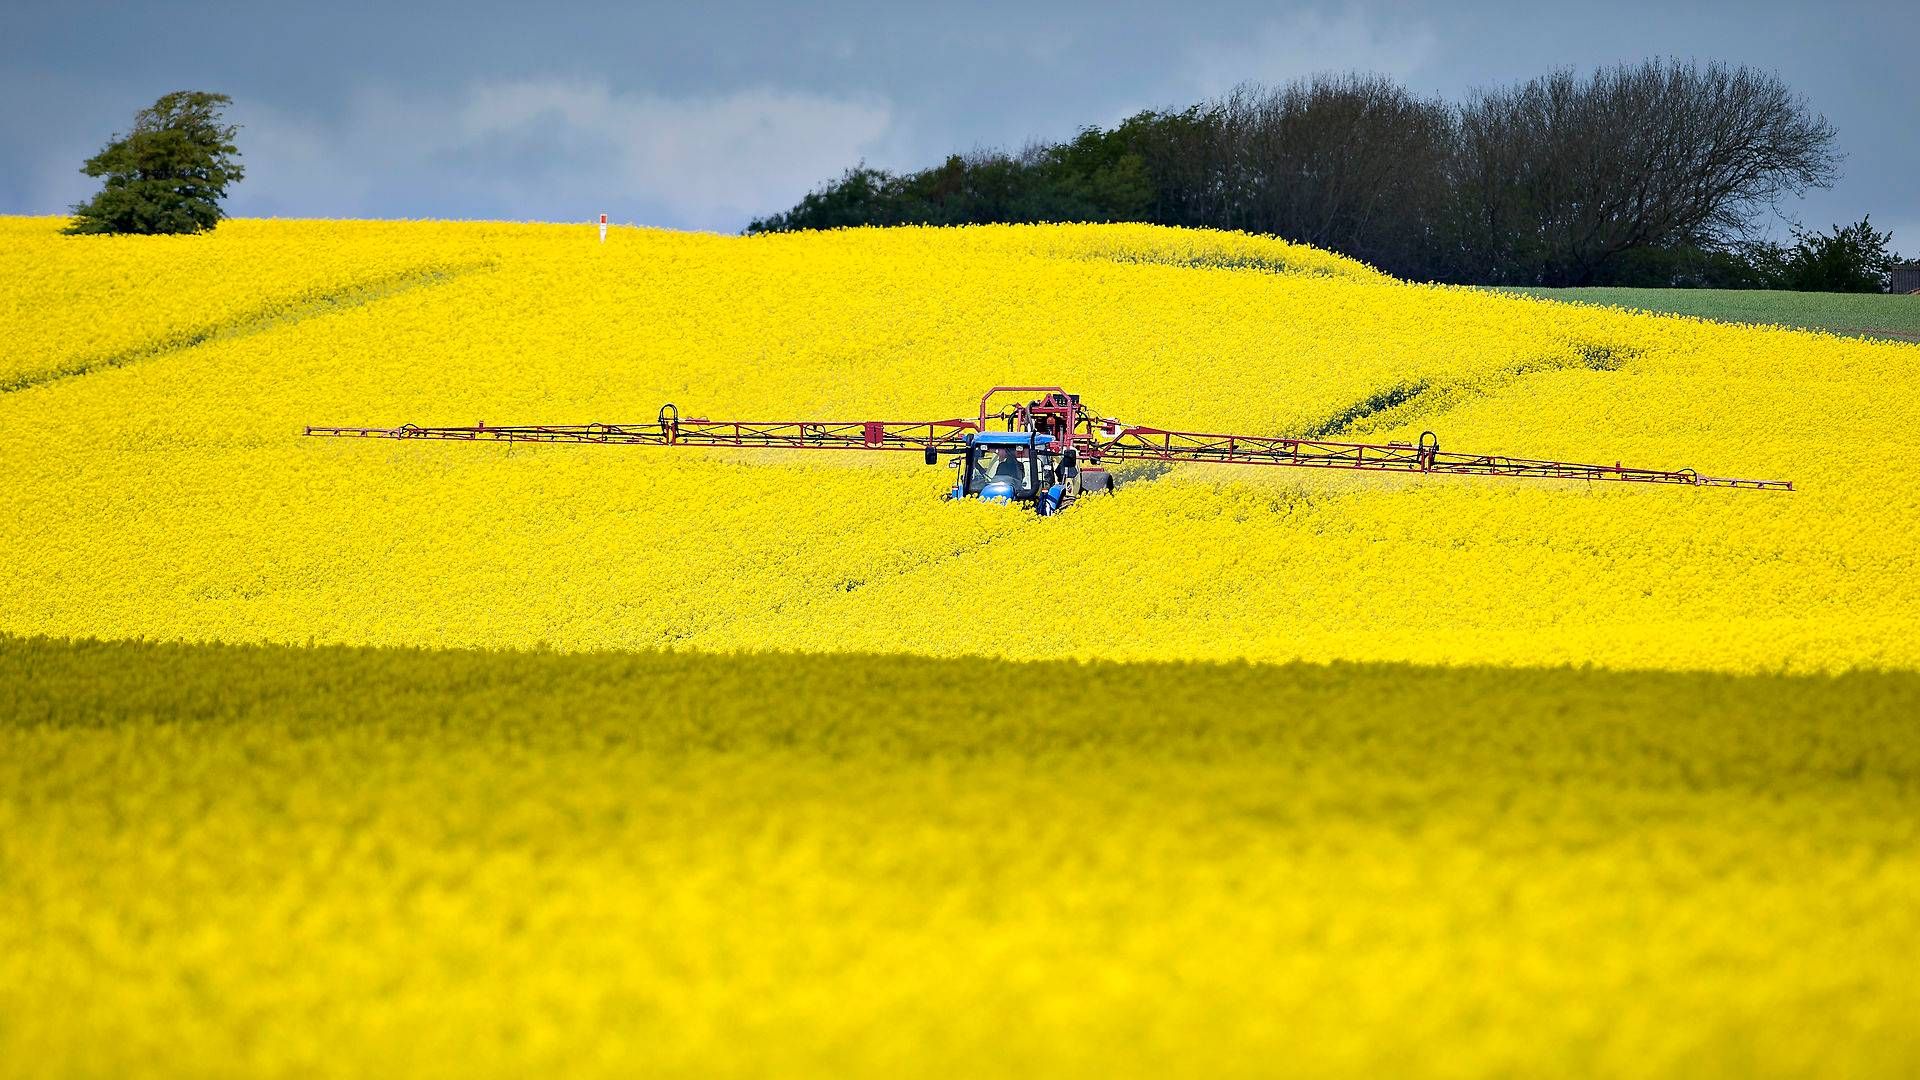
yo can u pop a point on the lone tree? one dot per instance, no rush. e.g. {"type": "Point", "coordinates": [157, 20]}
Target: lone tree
{"type": "Point", "coordinates": [169, 174]}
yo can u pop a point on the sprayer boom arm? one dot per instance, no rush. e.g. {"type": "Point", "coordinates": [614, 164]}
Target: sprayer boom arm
{"type": "Point", "coordinates": [1153, 444]}
{"type": "Point", "coordinates": [1058, 414]}
{"type": "Point", "coordinates": [672, 431]}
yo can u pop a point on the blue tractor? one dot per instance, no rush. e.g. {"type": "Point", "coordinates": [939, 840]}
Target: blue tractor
{"type": "Point", "coordinates": [1021, 467]}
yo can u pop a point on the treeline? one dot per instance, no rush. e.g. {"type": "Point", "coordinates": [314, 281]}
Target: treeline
{"type": "Point", "coordinates": [1654, 173]}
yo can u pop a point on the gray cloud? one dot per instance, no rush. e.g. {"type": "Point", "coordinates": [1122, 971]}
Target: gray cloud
{"type": "Point", "coordinates": [1298, 43]}
{"type": "Point", "coordinates": [554, 149]}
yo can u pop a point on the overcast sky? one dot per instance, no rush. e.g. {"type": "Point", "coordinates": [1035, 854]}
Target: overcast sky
{"type": "Point", "coordinates": [702, 115]}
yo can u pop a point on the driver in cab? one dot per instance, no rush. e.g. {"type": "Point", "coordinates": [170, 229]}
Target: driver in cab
{"type": "Point", "coordinates": [1003, 465]}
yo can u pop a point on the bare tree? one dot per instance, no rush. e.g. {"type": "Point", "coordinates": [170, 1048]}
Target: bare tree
{"type": "Point", "coordinates": [1556, 176]}
{"type": "Point", "coordinates": [1350, 162]}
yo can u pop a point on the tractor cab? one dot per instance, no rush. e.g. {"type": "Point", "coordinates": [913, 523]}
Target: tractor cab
{"type": "Point", "coordinates": [1017, 467]}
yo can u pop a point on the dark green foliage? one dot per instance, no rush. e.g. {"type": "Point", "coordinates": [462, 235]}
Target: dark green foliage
{"type": "Point", "coordinates": [1851, 258]}
{"type": "Point", "coordinates": [169, 174]}
{"type": "Point", "coordinates": [1094, 177]}
{"type": "Point", "coordinates": [861, 197]}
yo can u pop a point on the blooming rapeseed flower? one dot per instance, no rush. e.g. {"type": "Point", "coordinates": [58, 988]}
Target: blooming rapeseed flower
{"type": "Point", "coordinates": [172, 497]}
{"type": "Point", "coordinates": [728, 771]}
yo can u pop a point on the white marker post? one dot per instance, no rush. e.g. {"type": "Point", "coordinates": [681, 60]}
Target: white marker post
{"type": "Point", "coordinates": [603, 228]}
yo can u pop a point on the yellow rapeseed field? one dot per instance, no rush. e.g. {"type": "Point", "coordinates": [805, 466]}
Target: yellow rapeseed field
{"type": "Point", "coordinates": [366, 757]}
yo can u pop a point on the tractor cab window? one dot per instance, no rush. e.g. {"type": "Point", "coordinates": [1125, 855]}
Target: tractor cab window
{"type": "Point", "coordinates": [1004, 464]}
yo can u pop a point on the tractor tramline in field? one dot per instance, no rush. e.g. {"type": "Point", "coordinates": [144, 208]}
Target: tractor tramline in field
{"type": "Point", "coordinates": [1050, 450]}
